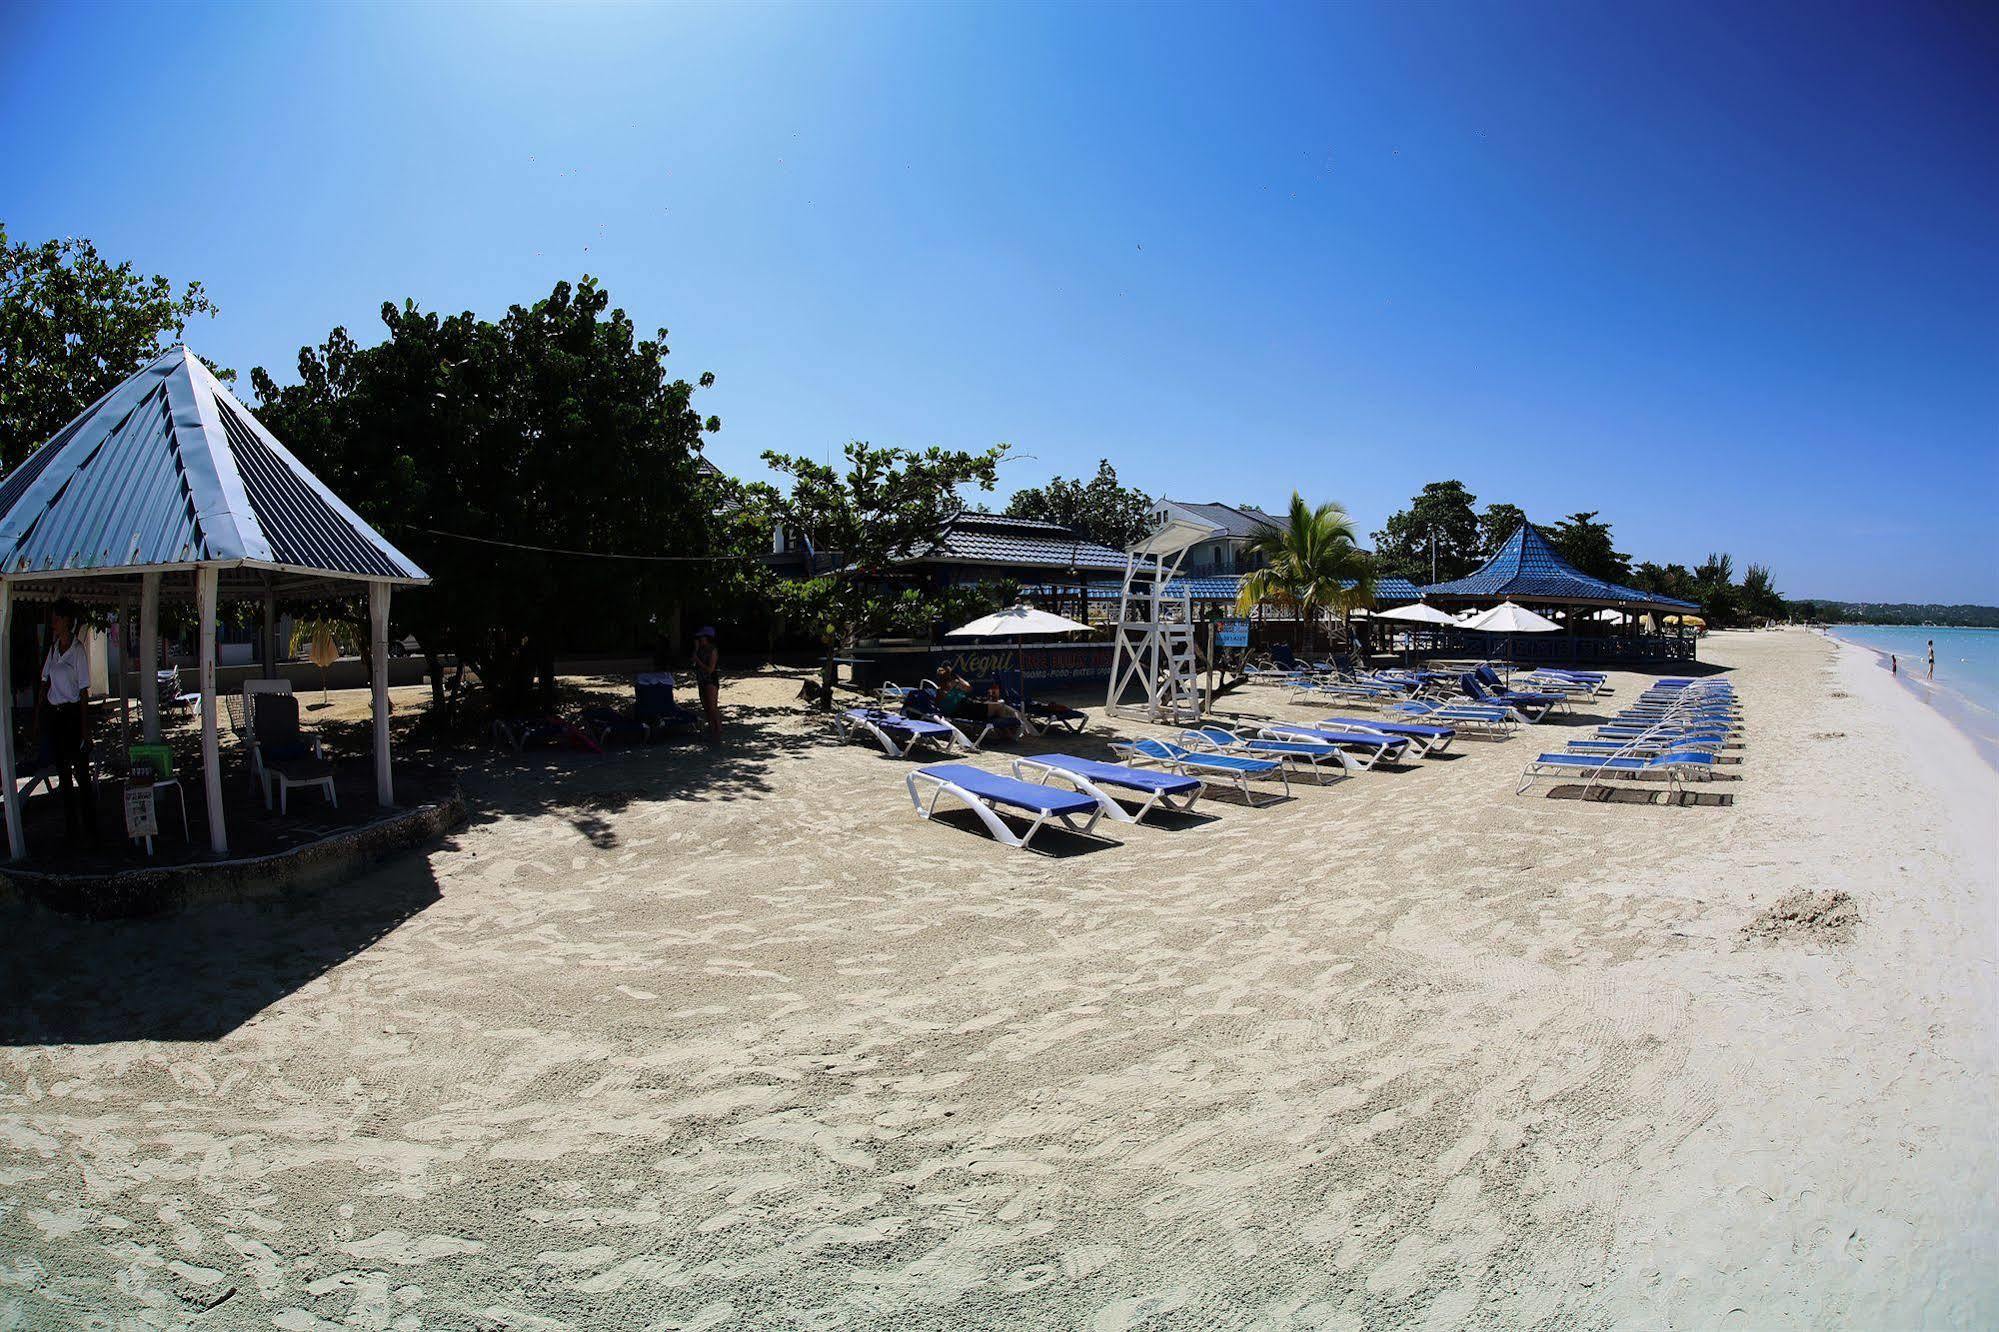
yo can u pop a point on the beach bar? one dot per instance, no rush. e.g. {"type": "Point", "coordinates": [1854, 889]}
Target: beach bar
{"type": "Point", "coordinates": [167, 486]}
{"type": "Point", "coordinates": [1528, 571]}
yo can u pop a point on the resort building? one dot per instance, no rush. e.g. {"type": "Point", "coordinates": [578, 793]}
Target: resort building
{"type": "Point", "coordinates": [1226, 552]}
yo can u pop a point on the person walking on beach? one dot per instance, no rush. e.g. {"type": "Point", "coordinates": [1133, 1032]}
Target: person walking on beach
{"type": "Point", "coordinates": [708, 679]}
{"type": "Point", "coordinates": [1933, 656]}
{"type": "Point", "coordinates": [1894, 666]}
{"type": "Point", "coordinates": [64, 708]}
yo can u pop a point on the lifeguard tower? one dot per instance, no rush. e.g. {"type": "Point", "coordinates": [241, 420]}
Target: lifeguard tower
{"type": "Point", "coordinates": [1154, 674]}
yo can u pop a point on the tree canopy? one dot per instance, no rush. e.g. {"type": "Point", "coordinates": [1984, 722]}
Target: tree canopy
{"type": "Point", "coordinates": [1100, 510]}
{"type": "Point", "coordinates": [473, 442]}
{"type": "Point", "coordinates": [1584, 542]}
{"type": "Point", "coordinates": [1495, 525]}
{"type": "Point", "coordinates": [1442, 511]}
{"type": "Point", "coordinates": [885, 504]}
{"type": "Point", "coordinates": [72, 326]}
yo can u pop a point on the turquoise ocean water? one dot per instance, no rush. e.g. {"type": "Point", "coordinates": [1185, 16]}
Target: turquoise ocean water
{"type": "Point", "coordinates": [1965, 687]}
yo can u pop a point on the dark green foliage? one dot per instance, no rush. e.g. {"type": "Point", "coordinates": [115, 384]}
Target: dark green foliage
{"type": "Point", "coordinates": [1495, 525]}
{"type": "Point", "coordinates": [555, 426]}
{"type": "Point", "coordinates": [1957, 616]}
{"type": "Point", "coordinates": [1444, 511]}
{"type": "Point", "coordinates": [72, 325]}
{"type": "Point", "coordinates": [1100, 510]}
{"type": "Point", "coordinates": [1584, 542]}
{"type": "Point", "coordinates": [887, 503]}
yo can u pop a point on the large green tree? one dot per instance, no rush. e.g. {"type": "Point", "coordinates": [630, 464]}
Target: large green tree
{"type": "Point", "coordinates": [1586, 543]}
{"type": "Point", "coordinates": [1312, 563]}
{"type": "Point", "coordinates": [72, 325]}
{"type": "Point", "coordinates": [509, 458]}
{"type": "Point", "coordinates": [1759, 593]}
{"type": "Point", "coordinates": [1496, 524]}
{"type": "Point", "coordinates": [1101, 510]}
{"type": "Point", "coordinates": [882, 505]}
{"type": "Point", "coordinates": [1442, 514]}
{"type": "Point", "coordinates": [1714, 588]}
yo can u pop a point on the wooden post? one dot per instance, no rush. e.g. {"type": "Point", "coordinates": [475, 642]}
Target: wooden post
{"type": "Point", "coordinates": [149, 657]}
{"type": "Point", "coordinates": [206, 579]}
{"type": "Point", "coordinates": [17, 841]}
{"type": "Point", "coordinates": [378, 625]}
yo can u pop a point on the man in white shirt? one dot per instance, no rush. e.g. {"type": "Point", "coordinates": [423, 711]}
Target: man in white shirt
{"type": "Point", "coordinates": [64, 705]}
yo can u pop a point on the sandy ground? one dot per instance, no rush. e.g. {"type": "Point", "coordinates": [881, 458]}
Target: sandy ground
{"type": "Point", "coordinates": [676, 1040]}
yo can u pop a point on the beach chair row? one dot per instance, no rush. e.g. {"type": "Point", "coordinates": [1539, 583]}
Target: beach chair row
{"type": "Point", "coordinates": [1669, 740]}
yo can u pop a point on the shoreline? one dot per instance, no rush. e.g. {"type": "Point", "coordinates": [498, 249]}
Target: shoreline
{"type": "Point", "coordinates": [1977, 723]}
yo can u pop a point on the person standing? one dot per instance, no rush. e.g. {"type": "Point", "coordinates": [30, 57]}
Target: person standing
{"type": "Point", "coordinates": [708, 679]}
{"type": "Point", "coordinates": [1933, 656]}
{"type": "Point", "coordinates": [64, 709]}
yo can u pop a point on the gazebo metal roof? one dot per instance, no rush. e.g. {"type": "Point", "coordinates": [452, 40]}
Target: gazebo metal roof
{"type": "Point", "coordinates": [168, 471]}
{"type": "Point", "coordinates": [1527, 568]}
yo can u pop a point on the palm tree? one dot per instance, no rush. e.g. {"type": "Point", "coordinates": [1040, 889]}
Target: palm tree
{"type": "Point", "coordinates": [1311, 563]}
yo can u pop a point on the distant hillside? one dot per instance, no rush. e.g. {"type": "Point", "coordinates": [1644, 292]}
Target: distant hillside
{"type": "Point", "coordinates": [1876, 612]}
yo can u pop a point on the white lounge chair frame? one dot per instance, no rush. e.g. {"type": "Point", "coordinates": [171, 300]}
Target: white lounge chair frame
{"type": "Point", "coordinates": [939, 787]}
{"type": "Point", "coordinates": [1190, 764]}
{"type": "Point", "coordinates": [1677, 775]}
{"type": "Point", "coordinates": [881, 733]}
{"type": "Point", "coordinates": [1034, 770]}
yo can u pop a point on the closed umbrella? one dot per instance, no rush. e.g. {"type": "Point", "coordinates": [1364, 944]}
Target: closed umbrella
{"type": "Point", "coordinates": [1016, 623]}
{"type": "Point", "coordinates": [323, 653]}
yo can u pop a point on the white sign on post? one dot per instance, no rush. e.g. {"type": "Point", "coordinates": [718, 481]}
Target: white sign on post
{"type": "Point", "coordinates": [142, 815]}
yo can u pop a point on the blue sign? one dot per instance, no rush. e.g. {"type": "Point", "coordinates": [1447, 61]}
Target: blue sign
{"type": "Point", "coordinates": [1232, 634]}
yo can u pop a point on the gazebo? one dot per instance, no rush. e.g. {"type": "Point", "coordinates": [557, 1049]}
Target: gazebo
{"type": "Point", "coordinates": [1527, 570]}
{"type": "Point", "coordinates": [168, 483]}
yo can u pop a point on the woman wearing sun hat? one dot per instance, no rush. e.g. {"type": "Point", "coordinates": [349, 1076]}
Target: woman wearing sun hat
{"type": "Point", "coordinates": [708, 679]}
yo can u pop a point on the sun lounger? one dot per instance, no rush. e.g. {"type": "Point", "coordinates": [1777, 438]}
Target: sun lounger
{"type": "Point", "coordinates": [1467, 718]}
{"type": "Point", "coordinates": [895, 733]}
{"type": "Point", "coordinates": [1362, 747]}
{"type": "Point", "coordinates": [282, 755]}
{"type": "Point", "coordinates": [1232, 769]}
{"type": "Point", "coordinates": [607, 724]}
{"type": "Point", "coordinates": [1668, 771]}
{"type": "Point", "coordinates": [1424, 737]}
{"type": "Point", "coordinates": [1304, 755]}
{"type": "Point", "coordinates": [1159, 790]}
{"type": "Point", "coordinates": [984, 793]}
{"type": "Point", "coordinates": [1530, 708]}
{"type": "Point", "coordinates": [922, 705]}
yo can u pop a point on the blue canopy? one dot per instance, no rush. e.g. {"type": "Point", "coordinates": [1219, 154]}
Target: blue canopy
{"type": "Point", "coordinates": [1527, 568]}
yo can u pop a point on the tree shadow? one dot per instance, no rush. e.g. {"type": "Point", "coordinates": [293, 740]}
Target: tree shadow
{"type": "Point", "coordinates": [197, 975]}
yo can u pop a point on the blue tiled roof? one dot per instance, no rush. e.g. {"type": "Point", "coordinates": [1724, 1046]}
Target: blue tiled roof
{"type": "Point", "coordinates": [1527, 567]}
{"type": "Point", "coordinates": [994, 538]}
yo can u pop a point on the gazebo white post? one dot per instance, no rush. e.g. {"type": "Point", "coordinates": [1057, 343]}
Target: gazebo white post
{"type": "Point", "coordinates": [149, 656]}
{"type": "Point", "coordinates": [123, 642]}
{"type": "Point", "coordinates": [270, 644]}
{"type": "Point", "coordinates": [206, 577]}
{"type": "Point", "coordinates": [17, 841]}
{"type": "Point", "coordinates": [378, 625]}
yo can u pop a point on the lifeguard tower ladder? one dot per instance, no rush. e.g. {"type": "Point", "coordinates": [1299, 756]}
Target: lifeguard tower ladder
{"type": "Point", "coordinates": [1154, 675]}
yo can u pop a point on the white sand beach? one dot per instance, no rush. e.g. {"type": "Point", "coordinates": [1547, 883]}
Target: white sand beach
{"type": "Point", "coordinates": [664, 1040]}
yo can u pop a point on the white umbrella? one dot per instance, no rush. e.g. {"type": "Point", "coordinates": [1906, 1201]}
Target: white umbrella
{"type": "Point", "coordinates": [1420, 613]}
{"type": "Point", "coordinates": [1017, 622]}
{"type": "Point", "coordinates": [1507, 618]}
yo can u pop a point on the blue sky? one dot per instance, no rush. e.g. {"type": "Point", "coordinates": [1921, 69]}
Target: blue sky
{"type": "Point", "coordinates": [1727, 274]}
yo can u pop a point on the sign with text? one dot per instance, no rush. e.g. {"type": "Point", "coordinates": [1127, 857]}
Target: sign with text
{"type": "Point", "coordinates": [142, 815]}
{"type": "Point", "coordinates": [1232, 634]}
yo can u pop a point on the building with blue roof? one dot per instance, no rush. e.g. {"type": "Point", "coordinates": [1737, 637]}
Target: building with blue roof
{"type": "Point", "coordinates": [1529, 571]}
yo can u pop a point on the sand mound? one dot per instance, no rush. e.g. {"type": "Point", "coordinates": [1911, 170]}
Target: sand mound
{"type": "Point", "coordinates": [1825, 916]}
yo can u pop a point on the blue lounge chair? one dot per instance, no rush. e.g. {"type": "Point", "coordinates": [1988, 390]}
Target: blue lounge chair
{"type": "Point", "coordinates": [1303, 755]}
{"type": "Point", "coordinates": [1160, 790]}
{"type": "Point", "coordinates": [1425, 738]}
{"type": "Point", "coordinates": [654, 708]}
{"type": "Point", "coordinates": [985, 792]}
{"type": "Point", "coordinates": [1232, 769]}
{"type": "Point", "coordinates": [1668, 771]}
{"type": "Point", "coordinates": [895, 733]}
{"type": "Point", "coordinates": [1467, 718]}
{"type": "Point", "coordinates": [922, 705]}
{"type": "Point", "coordinates": [1363, 747]}
{"type": "Point", "coordinates": [1527, 708]}
{"type": "Point", "coordinates": [1040, 713]}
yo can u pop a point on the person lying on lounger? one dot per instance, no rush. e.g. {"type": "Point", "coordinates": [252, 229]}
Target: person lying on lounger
{"type": "Point", "coordinates": [955, 699]}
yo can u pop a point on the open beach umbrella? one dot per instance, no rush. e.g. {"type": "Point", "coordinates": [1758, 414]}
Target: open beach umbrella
{"type": "Point", "coordinates": [1418, 613]}
{"type": "Point", "coordinates": [1017, 622]}
{"type": "Point", "coordinates": [1507, 618]}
